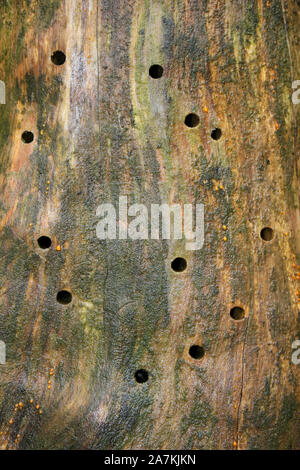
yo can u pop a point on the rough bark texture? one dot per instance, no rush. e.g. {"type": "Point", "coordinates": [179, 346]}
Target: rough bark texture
{"type": "Point", "coordinates": [103, 128]}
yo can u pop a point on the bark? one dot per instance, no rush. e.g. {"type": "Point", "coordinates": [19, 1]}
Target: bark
{"type": "Point", "coordinates": [104, 128]}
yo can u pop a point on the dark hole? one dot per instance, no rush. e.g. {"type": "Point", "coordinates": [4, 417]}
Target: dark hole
{"type": "Point", "coordinates": [191, 120]}
{"type": "Point", "coordinates": [141, 376]}
{"type": "Point", "coordinates": [44, 242]}
{"type": "Point", "coordinates": [179, 264]}
{"type": "Point", "coordinates": [268, 162]}
{"type": "Point", "coordinates": [237, 313]}
{"type": "Point", "coordinates": [216, 134]}
{"type": "Point", "coordinates": [64, 297]}
{"type": "Point", "coordinates": [27, 137]}
{"type": "Point", "coordinates": [58, 58]}
{"type": "Point", "coordinates": [267, 234]}
{"type": "Point", "coordinates": [196, 352]}
{"type": "Point", "coordinates": [156, 71]}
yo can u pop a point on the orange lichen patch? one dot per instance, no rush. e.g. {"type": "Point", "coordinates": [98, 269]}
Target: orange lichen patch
{"type": "Point", "coordinates": [217, 185]}
{"type": "Point", "coordinates": [205, 109]}
{"type": "Point", "coordinates": [224, 227]}
{"type": "Point", "coordinates": [41, 412]}
{"type": "Point", "coordinates": [11, 421]}
{"type": "Point", "coordinates": [225, 239]}
{"type": "Point", "coordinates": [268, 4]}
{"type": "Point", "coordinates": [49, 387]}
{"type": "Point", "coordinates": [276, 126]}
{"type": "Point", "coordinates": [31, 401]}
{"type": "Point", "coordinates": [234, 444]}
{"type": "Point", "coordinates": [37, 407]}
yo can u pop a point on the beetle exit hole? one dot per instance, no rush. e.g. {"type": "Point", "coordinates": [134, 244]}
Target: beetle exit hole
{"type": "Point", "coordinates": [27, 137]}
{"type": "Point", "coordinates": [179, 264]}
{"type": "Point", "coordinates": [44, 242]}
{"type": "Point", "coordinates": [64, 297]}
{"type": "Point", "coordinates": [58, 58]}
{"type": "Point", "coordinates": [156, 71]}
{"type": "Point", "coordinates": [196, 351]}
{"type": "Point", "coordinates": [141, 376]}
{"type": "Point", "coordinates": [191, 120]}
{"type": "Point", "coordinates": [237, 313]}
{"type": "Point", "coordinates": [267, 234]}
{"type": "Point", "coordinates": [216, 134]}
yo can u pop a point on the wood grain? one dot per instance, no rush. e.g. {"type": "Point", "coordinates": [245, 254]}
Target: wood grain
{"type": "Point", "coordinates": [104, 128]}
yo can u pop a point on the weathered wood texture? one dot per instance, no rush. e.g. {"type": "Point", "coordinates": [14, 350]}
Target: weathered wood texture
{"type": "Point", "coordinates": [103, 128]}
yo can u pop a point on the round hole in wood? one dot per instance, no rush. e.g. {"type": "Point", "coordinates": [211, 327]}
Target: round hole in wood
{"type": "Point", "coordinates": [156, 71]}
{"type": "Point", "coordinates": [196, 351]}
{"type": "Point", "coordinates": [216, 134]}
{"type": "Point", "coordinates": [27, 137]}
{"type": "Point", "coordinates": [191, 120]}
{"type": "Point", "coordinates": [237, 313]}
{"type": "Point", "coordinates": [267, 234]}
{"type": "Point", "coordinates": [58, 58]}
{"type": "Point", "coordinates": [64, 297]}
{"type": "Point", "coordinates": [44, 242]}
{"type": "Point", "coordinates": [141, 376]}
{"type": "Point", "coordinates": [179, 264]}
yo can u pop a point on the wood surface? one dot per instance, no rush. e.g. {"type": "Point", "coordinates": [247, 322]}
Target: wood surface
{"type": "Point", "coordinates": [103, 128]}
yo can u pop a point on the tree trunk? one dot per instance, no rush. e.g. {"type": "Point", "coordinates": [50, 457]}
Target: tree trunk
{"type": "Point", "coordinates": [84, 123]}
